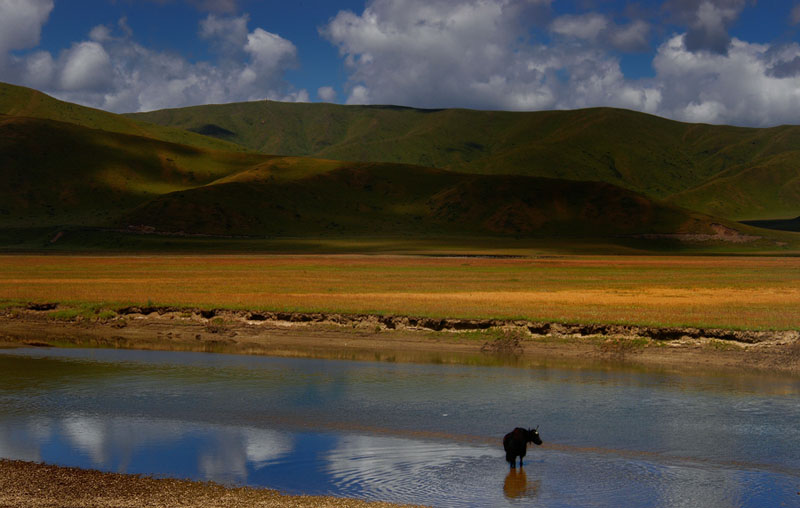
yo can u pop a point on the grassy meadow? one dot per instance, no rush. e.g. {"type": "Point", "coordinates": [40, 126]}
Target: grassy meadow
{"type": "Point", "coordinates": [728, 292]}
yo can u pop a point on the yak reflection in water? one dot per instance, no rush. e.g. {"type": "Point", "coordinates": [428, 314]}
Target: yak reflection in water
{"type": "Point", "coordinates": [517, 486]}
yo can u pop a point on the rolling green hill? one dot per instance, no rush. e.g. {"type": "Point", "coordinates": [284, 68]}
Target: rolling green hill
{"type": "Point", "coordinates": [26, 102]}
{"type": "Point", "coordinates": [78, 178]}
{"type": "Point", "coordinates": [734, 172]}
{"type": "Point", "coordinates": [60, 173]}
{"type": "Point", "coordinates": [65, 177]}
{"type": "Point", "coordinates": [302, 196]}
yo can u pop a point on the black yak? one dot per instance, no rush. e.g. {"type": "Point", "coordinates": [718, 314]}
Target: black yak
{"type": "Point", "coordinates": [516, 443]}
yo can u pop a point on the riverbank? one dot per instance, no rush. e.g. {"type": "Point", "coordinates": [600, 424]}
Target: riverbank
{"type": "Point", "coordinates": [34, 485]}
{"type": "Point", "coordinates": [401, 338]}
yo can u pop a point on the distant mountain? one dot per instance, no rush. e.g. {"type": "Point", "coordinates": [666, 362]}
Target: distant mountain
{"type": "Point", "coordinates": [733, 172]}
{"type": "Point", "coordinates": [108, 182]}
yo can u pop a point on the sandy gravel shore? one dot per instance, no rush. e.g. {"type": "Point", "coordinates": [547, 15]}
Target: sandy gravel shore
{"type": "Point", "coordinates": [34, 485]}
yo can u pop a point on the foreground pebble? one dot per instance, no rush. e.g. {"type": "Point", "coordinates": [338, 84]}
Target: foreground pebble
{"type": "Point", "coordinates": [35, 485]}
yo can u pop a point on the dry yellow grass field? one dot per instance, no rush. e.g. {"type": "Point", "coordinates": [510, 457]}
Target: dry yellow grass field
{"type": "Point", "coordinates": [729, 292]}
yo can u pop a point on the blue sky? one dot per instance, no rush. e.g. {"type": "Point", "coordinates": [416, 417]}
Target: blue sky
{"type": "Point", "coordinates": [716, 61]}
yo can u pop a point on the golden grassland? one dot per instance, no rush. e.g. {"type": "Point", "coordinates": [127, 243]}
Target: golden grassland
{"type": "Point", "coordinates": [728, 292]}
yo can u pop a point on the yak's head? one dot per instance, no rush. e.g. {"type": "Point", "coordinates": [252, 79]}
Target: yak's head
{"type": "Point", "coordinates": [533, 436]}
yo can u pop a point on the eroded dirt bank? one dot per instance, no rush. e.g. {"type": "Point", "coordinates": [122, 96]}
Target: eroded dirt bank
{"type": "Point", "coordinates": [400, 338]}
{"type": "Point", "coordinates": [34, 485]}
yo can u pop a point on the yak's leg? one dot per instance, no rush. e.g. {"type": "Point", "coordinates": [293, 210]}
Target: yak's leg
{"type": "Point", "coordinates": [512, 460]}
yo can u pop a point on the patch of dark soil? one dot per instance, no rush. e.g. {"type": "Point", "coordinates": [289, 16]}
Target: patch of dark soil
{"type": "Point", "coordinates": [217, 325]}
{"type": "Point", "coordinates": [618, 348]}
{"type": "Point", "coordinates": [508, 344]}
{"type": "Point", "coordinates": [146, 310]}
{"type": "Point", "coordinates": [540, 328]}
{"type": "Point", "coordinates": [460, 324]}
{"type": "Point", "coordinates": [388, 322]}
{"type": "Point", "coordinates": [41, 306]}
{"type": "Point", "coordinates": [432, 324]}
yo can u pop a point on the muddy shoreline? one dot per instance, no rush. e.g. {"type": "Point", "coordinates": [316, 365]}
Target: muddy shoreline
{"type": "Point", "coordinates": [35, 485]}
{"type": "Point", "coordinates": [403, 338]}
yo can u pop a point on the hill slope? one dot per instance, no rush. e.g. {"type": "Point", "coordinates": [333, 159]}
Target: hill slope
{"type": "Point", "coordinates": [301, 196]}
{"type": "Point", "coordinates": [26, 102]}
{"type": "Point", "coordinates": [110, 189]}
{"type": "Point", "coordinates": [93, 178]}
{"type": "Point", "coordinates": [62, 173]}
{"type": "Point", "coordinates": [738, 173]}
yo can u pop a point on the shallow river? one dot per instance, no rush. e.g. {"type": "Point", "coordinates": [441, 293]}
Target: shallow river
{"type": "Point", "coordinates": [408, 433]}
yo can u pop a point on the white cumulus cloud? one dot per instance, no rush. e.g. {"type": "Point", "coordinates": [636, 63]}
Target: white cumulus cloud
{"type": "Point", "coordinates": [359, 95]}
{"type": "Point", "coordinates": [113, 72]}
{"type": "Point", "coordinates": [38, 70]}
{"type": "Point", "coordinates": [475, 53]}
{"type": "Point", "coordinates": [21, 25]}
{"type": "Point", "coordinates": [228, 34]}
{"type": "Point", "coordinates": [631, 37]}
{"type": "Point", "coordinates": [736, 87]}
{"type": "Point", "coordinates": [86, 67]}
{"type": "Point", "coordinates": [326, 94]}
{"type": "Point", "coordinates": [269, 52]}
{"type": "Point", "coordinates": [596, 28]}
{"type": "Point", "coordinates": [485, 54]}
{"type": "Point", "coordinates": [435, 53]}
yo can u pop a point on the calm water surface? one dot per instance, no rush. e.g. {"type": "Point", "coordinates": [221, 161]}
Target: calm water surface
{"type": "Point", "coordinates": [407, 432]}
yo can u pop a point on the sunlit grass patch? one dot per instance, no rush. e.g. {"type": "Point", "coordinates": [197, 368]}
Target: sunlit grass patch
{"type": "Point", "coordinates": [85, 310]}
{"type": "Point", "coordinates": [726, 292]}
